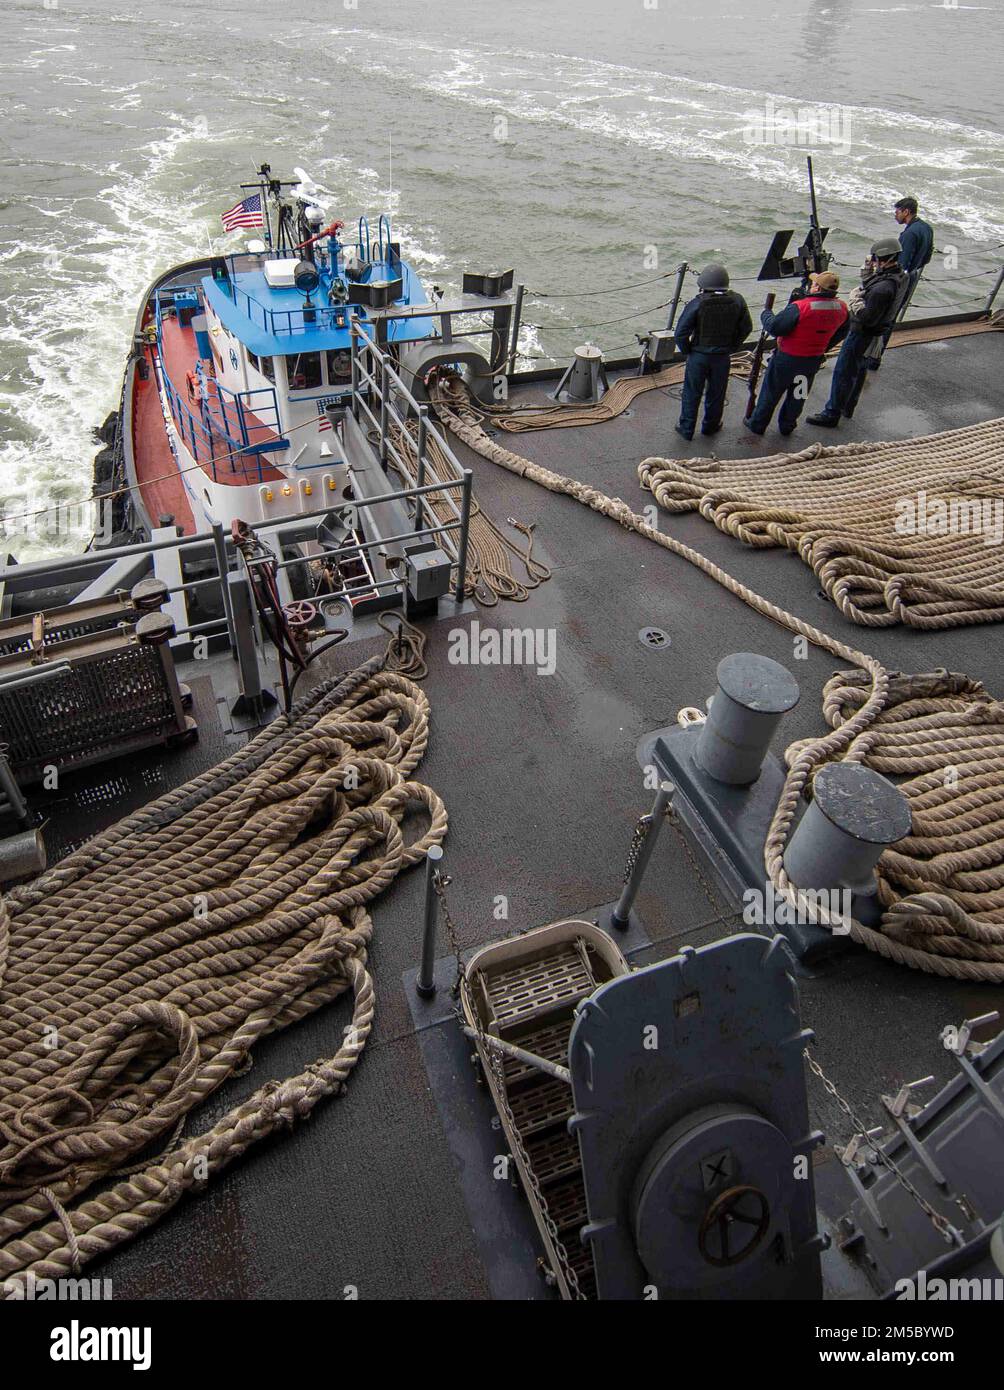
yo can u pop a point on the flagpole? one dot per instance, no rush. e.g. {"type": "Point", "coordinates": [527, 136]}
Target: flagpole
{"type": "Point", "coordinates": [267, 219]}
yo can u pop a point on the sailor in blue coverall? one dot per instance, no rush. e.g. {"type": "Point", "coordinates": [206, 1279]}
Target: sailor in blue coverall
{"type": "Point", "coordinates": [713, 325]}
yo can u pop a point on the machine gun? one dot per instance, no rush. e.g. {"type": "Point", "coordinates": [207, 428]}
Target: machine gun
{"type": "Point", "coordinates": [810, 258]}
{"type": "Point", "coordinates": [758, 358]}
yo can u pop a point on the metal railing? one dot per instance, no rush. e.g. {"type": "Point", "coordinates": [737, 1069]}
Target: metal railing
{"type": "Point", "coordinates": [289, 322]}
{"type": "Point", "coordinates": [228, 426]}
{"type": "Point", "coordinates": [376, 390]}
{"type": "Point", "coordinates": [209, 448]}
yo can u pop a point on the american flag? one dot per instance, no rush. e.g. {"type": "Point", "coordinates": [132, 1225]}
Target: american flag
{"type": "Point", "coordinates": [323, 423]}
{"type": "Point", "coordinates": [245, 214]}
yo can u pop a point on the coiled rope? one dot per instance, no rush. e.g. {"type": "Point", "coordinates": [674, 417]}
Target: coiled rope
{"type": "Point", "coordinates": [137, 975]}
{"type": "Point", "coordinates": [844, 510]}
{"type": "Point", "coordinates": [490, 552]}
{"type": "Point", "coordinates": [977, 723]}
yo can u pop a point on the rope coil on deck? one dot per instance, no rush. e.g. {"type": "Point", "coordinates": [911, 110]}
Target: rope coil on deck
{"type": "Point", "coordinates": [137, 975]}
{"type": "Point", "coordinates": [866, 518]}
{"type": "Point", "coordinates": [913, 721]}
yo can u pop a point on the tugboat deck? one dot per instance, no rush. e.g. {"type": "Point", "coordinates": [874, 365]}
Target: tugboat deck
{"type": "Point", "coordinates": [540, 778]}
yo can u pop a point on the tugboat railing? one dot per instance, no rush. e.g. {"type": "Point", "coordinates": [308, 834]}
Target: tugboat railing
{"type": "Point", "coordinates": [375, 395]}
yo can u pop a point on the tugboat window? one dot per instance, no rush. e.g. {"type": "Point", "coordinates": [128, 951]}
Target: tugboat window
{"type": "Point", "coordinates": [339, 367]}
{"type": "Point", "coordinates": [267, 368]}
{"type": "Point", "coordinates": [253, 361]}
{"type": "Point", "coordinates": [304, 371]}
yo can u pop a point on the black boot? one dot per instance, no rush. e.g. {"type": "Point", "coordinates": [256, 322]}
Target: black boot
{"type": "Point", "coordinates": [826, 422]}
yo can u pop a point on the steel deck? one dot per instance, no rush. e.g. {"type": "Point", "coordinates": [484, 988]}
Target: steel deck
{"type": "Point", "coordinates": [541, 781]}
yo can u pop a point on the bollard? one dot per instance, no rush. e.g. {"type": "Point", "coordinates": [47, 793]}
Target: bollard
{"type": "Point", "coordinates": [663, 800]}
{"type": "Point", "coordinates": [586, 379]}
{"type": "Point", "coordinates": [21, 855]}
{"type": "Point", "coordinates": [855, 813]}
{"type": "Point", "coordinates": [753, 693]}
{"type": "Point", "coordinates": [425, 984]}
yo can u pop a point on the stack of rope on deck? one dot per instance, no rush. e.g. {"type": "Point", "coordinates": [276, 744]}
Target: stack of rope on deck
{"type": "Point", "coordinates": [906, 531]}
{"type": "Point", "coordinates": [942, 887]}
{"type": "Point", "coordinates": [137, 975]}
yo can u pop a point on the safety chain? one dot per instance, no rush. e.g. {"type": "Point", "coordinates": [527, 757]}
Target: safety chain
{"type": "Point", "coordinates": [945, 1229]}
{"type": "Point", "coordinates": [440, 882]}
{"type": "Point", "coordinates": [637, 840]}
{"type": "Point", "coordinates": [698, 872]}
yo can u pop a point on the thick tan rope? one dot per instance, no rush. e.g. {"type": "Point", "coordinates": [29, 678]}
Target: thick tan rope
{"type": "Point", "coordinates": [137, 975]}
{"type": "Point", "coordinates": [450, 398]}
{"type": "Point", "coordinates": [945, 735]}
{"type": "Point", "coordinates": [868, 519]}
{"type": "Point", "coordinates": [626, 389]}
{"type": "Point", "coordinates": [490, 552]}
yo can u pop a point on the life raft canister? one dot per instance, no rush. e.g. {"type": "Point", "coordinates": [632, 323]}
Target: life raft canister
{"type": "Point", "coordinates": [819, 317]}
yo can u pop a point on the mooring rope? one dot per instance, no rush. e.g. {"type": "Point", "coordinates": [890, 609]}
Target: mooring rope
{"type": "Point", "coordinates": [138, 973]}
{"type": "Point", "coordinates": [489, 573]}
{"type": "Point", "coordinates": [906, 531]}
{"type": "Point", "coordinates": [983, 772]}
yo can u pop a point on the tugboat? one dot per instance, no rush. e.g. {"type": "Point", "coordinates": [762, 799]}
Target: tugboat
{"type": "Point", "coordinates": [242, 354]}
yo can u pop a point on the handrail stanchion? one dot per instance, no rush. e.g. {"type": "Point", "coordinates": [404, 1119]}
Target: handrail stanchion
{"type": "Point", "coordinates": [653, 824]}
{"type": "Point", "coordinates": [465, 522]}
{"type": "Point", "coordinates": [994, 292]}
{"type": "Point", "coordinates": [222, 565]}
{"type": "Point", "coordinates": [517, 318]}
{"type": "Point", "coordinates": [421, 444]}
{"type": "Point", "coordinates": [384, 389]}
{"type": "Point", "coordinates": [354, 345]}
{"type": "Point", "coordinates": [425, 984]}
{"type": "Point", "coordinates": [677, 292]}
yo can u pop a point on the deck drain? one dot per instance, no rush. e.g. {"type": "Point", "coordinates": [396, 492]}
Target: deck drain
{"type": "Point", "coordinates": [654, 637]}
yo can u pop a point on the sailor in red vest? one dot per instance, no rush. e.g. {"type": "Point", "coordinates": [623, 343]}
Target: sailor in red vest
{"type": "Point", "coordinates": [805, 329]}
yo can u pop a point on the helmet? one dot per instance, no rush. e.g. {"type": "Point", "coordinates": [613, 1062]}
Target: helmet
{"type": "Point", "coordinates": [885, 248]}
{"type": "Point", "coordinates": [716, 277]}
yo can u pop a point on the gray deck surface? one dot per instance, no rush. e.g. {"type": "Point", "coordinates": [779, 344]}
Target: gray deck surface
{"type": "Point", "coordinates": [541, 781]}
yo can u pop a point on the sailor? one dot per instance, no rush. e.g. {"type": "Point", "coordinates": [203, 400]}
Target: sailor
{"type": "Point", "coordinates": [916, 242]}
{"type": "Point", "coordinates": [805, 330]}
{"type": "Point", "coordinates": [712, 326]}
{"type": "Point", "coordinates": [873, 311]}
